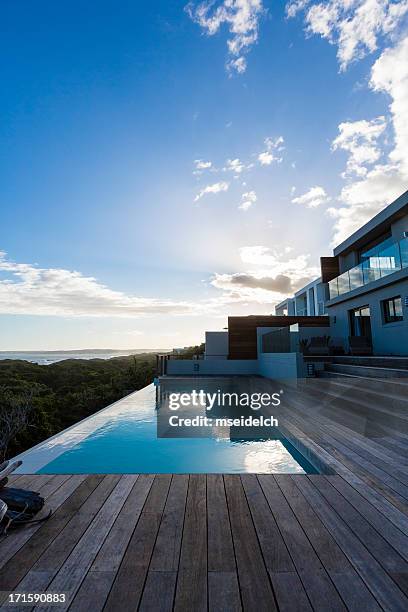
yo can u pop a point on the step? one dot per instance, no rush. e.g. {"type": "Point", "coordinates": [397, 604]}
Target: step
{"type": "Point", "coordinates": [393, 386]}
{"type": "Point", "coordinates": [367, 371]}
{"type": "Point", "coordinates": [361, 416]}
{"type": "Point", "coordinates": [363, 390]}
{"type": "Point", "coordinates": [399, 363]}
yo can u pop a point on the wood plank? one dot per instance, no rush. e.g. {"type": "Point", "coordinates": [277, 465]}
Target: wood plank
{"type": "Point", "coordinates": [73, 571]}
{"type": "Point", "coordinates": [191, 592]}
{"type": "Point", "coordinates": [347, 581]}
{"type": "Point", "coordinates": [390, 560]}
{"type": "Point", "coordinates": [166, 552]}
{"type": "Point", "coordinates": [53, 484]}
{"type": "Point", "coordinates": [223, 592]}
{"type": "Point", "coordinates": [316, 581]}
{"type": "Point", "coordinates": [128, 585]}
{"type": "Point", "coordinates": [289, 592]}
{"type": "Point", "coordinates": [16, 539]}
{"type": "Point", "coordinates": [49, 563]}
{"type": "Point", "coordinates": [223, 587]}
{"type": "Point", "coordinates": [277, 559]}
{"type": "Point", "coordinates": [256, 591]}
{"type": "Point", "coordinates": [221, 556]}
{"type": "Point", "coordinates": [95, 588]}
{"type": "Point", "coordinates": [158, 593]}
{"type": "Point", "coordinates": [368, 491]}
{"type": "Point", "coordinates": [378, 581]}
{"type": "Point", "coordinates": [17, 567]}
{"type": "Point", "coordinates": [389, 532]}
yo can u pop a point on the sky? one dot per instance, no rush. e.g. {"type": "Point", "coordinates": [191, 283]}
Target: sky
{"type": "Point", "coordinates": [166, 164]}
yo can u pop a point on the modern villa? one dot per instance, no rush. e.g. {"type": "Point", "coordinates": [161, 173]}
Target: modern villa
{"type": "Point", "coordinates": [365, 284]}
{"type": "Point", "coordinates": [368, 282]}
{"type": "Point", "coordinates": [358, 307]}
{"type": "Point", "coordinates": [307, 301]}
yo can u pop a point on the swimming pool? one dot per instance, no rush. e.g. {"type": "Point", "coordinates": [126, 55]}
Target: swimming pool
{"type": "Point", "coordinates": [122, 438]}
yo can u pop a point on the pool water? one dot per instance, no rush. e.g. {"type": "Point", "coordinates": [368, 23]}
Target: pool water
{"type": "Point", "coordinates": [122, 438]}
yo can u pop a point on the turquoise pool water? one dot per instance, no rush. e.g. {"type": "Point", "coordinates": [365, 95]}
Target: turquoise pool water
{"type": "Point", "coordinates": [123, 439]}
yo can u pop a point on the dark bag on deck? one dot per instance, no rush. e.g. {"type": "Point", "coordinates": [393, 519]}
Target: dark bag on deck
{"type": "Point", "coordinates": [22, 506]}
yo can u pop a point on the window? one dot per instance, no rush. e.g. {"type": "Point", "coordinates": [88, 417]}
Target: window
{"type": "Point", "coordinates": [392, 310]}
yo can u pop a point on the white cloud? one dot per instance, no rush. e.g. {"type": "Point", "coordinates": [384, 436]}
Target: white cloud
{"type": "Point", "coordinates": [214, 188]}
{"type": "Point", "coordinates": [276, 276]}
{"type": "Point", "coordinates": [271, 144]}
{"type": "Point", "coordinates": [201, 165]}
{"type": "Point", "coordinates": [312, 198]}
{"type": "Point", "coordinates": [390, 75]}
{"type": "Point", "coordinates": [380, 184]}
{"type": "Point", "coordinates": [355, 26]}
{"type": "Point", "coordinates": [247, 200]}
{"type": "Point", "coordinates": [242, 19]}
{"type": "Point", "coordinates": [30, 290]}
{"type": "Point", "coordinates": [293, 7]}
{"type": "Point", "coordinates": [360, 140]}
{"type": "Point", "coordinates": [235, 165]}
{"type": "Point", "coordinates": [297, 267]}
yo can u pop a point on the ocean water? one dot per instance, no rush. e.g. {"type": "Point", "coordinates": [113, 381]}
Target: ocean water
{"type": "Point", "coordinates": [48, 357]}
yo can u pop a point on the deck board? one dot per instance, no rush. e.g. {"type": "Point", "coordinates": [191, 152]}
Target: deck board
{"type": "Point", "coordinates": [221, 542]}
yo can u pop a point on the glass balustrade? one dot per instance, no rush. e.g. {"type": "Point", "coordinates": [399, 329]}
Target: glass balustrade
{"type": "Point", "coordinates": [380, 263]}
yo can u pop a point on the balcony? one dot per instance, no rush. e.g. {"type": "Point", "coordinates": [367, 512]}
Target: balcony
{"type": "Point", "coordinates": [382, 261]}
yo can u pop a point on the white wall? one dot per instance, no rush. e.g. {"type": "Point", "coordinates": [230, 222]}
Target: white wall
{"type": "Point", "coordinates": [211, 367]}
{"type": "Point", "coordinates": [278, 365]}
{"type": "Point", "coordinates": [216, 345]}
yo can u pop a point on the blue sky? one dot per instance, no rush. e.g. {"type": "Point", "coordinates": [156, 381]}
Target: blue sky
{"type": "Point", "coordinates": [115, 117]}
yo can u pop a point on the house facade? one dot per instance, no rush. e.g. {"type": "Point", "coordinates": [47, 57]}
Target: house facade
{"type": "Point", "coordinates": [309, 301]}
{"type": "Point", "coordinates": [367, 279]}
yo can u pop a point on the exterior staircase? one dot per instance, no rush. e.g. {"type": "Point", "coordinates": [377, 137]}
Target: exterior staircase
{"type": "Point", "coordinates": [369, 393]}
{"type": "Point", "coordinates": [366, 367]}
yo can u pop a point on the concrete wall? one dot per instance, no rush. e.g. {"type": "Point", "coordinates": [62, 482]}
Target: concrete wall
{"type": "Point", "coordinates": [388, 338]}
{"type": "Point", "coordinates": [216, 345]}
{"type": "Point", "coordinates": [280, 365]}
{"type": "Point", "coordinates": [211, 367]}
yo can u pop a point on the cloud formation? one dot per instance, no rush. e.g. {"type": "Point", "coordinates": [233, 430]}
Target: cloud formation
{"type": "Point", "coordinates": [276, 275]}
{"type": "Point", "coordinates": [247, 200]}
{"type": "Point", "coordinates": [360, 140]}
{"type": "Point", "coordinates": [312, 198]}
{"type": "Point", "coordinates": [30, 290]}
{"type": "Point", "coordinates": [214, 188]}
{"type": "Point", "coordinates": [242, 19]}
{"type": "Point", "coordinates": [268, 156]}
{"type": "Point", "coordinates": [354, 26]}
{"type": "Point", "coordinates": [376, 185]}
{"type": "Point", "coordinates": [200, 165]}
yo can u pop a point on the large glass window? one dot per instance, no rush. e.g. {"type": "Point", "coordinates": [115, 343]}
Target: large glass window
{"type": "Point", "coordinates": [392, 310]}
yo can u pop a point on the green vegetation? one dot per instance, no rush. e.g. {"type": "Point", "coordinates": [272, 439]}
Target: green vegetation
{"type": "Point", "coordinates": [190, 351]}
{"type": "Point", "coordinates": [37, 401]}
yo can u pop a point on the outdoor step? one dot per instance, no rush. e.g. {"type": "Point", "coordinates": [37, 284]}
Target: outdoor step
{"type": "Point", "coordinates": [399, 363]}
{"type": "Point", "coordinates": [367, 371]}
{"type": "Point", "coordinates": [391, 386]}
{"type": "Point", "coordinates": [397, 406]}
{"type": "Point", "coordinates": [394, 387]}
{"type": "Point", "coordinates": [363, 416]}
{"type": "Point", "coordinates": [361, 389]}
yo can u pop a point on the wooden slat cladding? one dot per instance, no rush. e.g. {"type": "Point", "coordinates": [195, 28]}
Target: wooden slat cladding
{"type": "Point", "coordinates": [242, 331]}
{"type": "Point", "coordinates": [330, 268]}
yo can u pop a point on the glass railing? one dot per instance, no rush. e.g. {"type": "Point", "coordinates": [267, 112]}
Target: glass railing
{"type": "Point", "coordinates": [381, 263]}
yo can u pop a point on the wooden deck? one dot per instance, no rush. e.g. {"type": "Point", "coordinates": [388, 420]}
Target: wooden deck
{"type": "Point", "coordinates": [227, 542]}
